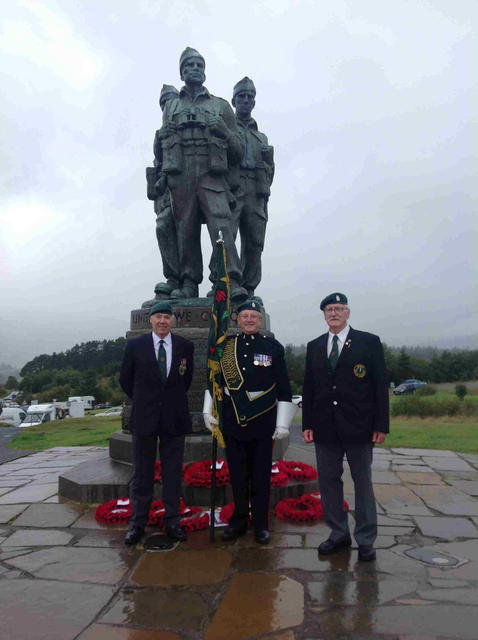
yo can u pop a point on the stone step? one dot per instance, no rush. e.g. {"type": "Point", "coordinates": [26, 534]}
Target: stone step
{"type": "Point", "coordinates": [105, 479]}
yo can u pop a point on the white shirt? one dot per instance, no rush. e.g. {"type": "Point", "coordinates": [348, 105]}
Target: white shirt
{"type": "Point", "coordinates": [168, 347]}
{"type": "Point", "coordinates": [342, 337]}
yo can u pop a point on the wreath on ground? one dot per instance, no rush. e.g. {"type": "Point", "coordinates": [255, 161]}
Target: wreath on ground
{"type": "Point", "coordinates": [199, 474]}
{"type": "Point", "coordinates": [298, 471]}
{"type": "Point", "coordinates": [279, 478]}
{"type": "Point", "coordinates": [306, 508]}
{"type": "Point", "coordinates": [115, 511]}
{"type": "Point", "coordinates": [226, 513]}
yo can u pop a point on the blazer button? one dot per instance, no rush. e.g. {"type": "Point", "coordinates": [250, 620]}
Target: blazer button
{"type": "Point", "coordinates": [334, 387]}
{"type": "Point", "coordinates": [334, 402]}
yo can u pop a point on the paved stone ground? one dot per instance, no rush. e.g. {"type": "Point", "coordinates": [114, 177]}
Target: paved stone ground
{"type": "Point", "coordinates": [64, 576]}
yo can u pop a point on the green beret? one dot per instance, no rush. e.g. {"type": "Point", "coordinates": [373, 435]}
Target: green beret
{"type": "Point", "coordinates": [161, 307]}
{"type": "Point", "coordinates": [339, 298]}
{"type": "Point", "coordinates": [249, 305]}
{"type": "Point", "coordinates": [245, 84]}
{"type": "Point", "coordinates": [189, 52]}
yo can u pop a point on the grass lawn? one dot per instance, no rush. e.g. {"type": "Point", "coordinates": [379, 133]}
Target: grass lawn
{"type": "Point", "coordinates": [72, 432]}
{"type": "Point", "coordinates": [456, 433]}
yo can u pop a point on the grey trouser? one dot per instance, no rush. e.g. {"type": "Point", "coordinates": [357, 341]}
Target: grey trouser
{"type": "Point", "coordinates": [330, 469]}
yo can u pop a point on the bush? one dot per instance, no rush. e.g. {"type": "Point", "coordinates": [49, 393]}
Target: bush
{"type": "Point", "coordinates": [424, 407]}
{"type": "Point", "coordinates": [461, 391]}
{"type": "Point", "coordinates": [428, 390]}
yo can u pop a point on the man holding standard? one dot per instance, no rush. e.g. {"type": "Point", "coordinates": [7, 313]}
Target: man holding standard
{"type": "Point", "coordinates": [257, 408]}
{"type": "Point", "coordinates": [345, 410]}
{"type": "Point", "coordinates": [156, 373]}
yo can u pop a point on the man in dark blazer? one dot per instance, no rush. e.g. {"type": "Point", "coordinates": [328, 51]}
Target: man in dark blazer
{"type": "Point", "coordinates": [345, 410]}
{"type": "Point", "coordinates": [156, 373]}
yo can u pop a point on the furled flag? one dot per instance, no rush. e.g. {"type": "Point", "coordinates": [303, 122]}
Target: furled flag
{"type": "Point", "coordinates": [217, 339]}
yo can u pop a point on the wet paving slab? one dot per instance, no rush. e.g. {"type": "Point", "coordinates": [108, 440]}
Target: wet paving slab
{"type": "Point", "coordinates": [256, 604]}
{"type": "Point", "coordinates": [241, 590]}
{"type": "Point", "coordinates": [29, 494]}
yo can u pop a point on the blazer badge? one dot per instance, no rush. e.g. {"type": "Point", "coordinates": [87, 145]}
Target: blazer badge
{"type": "Point", "coordinates": [182, 366]}
{"type": "Point", "coordinates": [360, 370]}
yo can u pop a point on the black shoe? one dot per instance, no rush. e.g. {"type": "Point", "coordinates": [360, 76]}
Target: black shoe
{"type": "Point", "coordinates": [366, 552]}
{"type": "Point", "coordinates": [134, 535]}
{"type": "Point", "coordinates": [231, 534]}
{"type": "Point", "coordinates": [174, 532]}
{"type": "Point", "coordinates": [331, 546]}
{"type": "Point", "coordinates": [262, 536]}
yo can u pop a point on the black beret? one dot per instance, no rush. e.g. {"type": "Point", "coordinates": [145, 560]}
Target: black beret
{"type": "Point", "coordinates": [332, 298]}
{"type": "Point", "coordinates": [249, 305]}
{"type": "Point", "coordinates": [161, 307]}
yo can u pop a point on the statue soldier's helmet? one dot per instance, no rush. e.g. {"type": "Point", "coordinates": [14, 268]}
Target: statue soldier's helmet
{"type": "Point", "coordinates": [189, 52]}
{"type": "Point", "coordinates": [245, 84]}
{"type": "Point", "coordinates": [167, 93]}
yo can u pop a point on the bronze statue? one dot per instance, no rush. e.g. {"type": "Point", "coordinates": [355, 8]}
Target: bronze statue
{"type": "Point", "coordinates": [165, 227]}
{"type": "Point", "coordinates": [256, 173]}
{"type": "Point", "coordinates": [200, 145]}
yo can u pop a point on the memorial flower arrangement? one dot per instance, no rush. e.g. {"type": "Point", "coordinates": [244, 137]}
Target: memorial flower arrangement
{"type": "Point", "coordinates": [199, 474]}
{"type": "Point", "coordinates": [307, 508]}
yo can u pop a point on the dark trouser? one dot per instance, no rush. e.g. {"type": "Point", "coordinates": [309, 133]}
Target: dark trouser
{"type": "Point", "coordinates": [330, 468]}
{"type": "Point", "coordinates": [250, 465]}
{"type": "Point", "coordinates": [171, 450]}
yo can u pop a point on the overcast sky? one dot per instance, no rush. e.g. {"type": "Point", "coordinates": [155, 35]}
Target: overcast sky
{"type": "Point", "coordinates": [371, 107]}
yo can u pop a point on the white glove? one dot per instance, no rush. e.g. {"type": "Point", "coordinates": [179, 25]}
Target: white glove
{"type": "Point", "coordinates": [280, 432]}
{"type": "Point", "coordinates": [209, 419]}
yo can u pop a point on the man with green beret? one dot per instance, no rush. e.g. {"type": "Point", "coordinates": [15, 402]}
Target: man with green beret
{"type": "Point", "coordinates": [345, 410]}
{"type": "Point", "coordinates": [156, 373]}
{"type": "Point", "coordinates": [256, 172]}
{"type": "Point", "coordinates": [257, 407]}
{"type": "Point", "coordinates": [200, 143]}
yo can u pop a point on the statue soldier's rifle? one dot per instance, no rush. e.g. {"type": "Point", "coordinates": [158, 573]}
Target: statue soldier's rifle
{"type": "Point", "coordinates": [216, 343]}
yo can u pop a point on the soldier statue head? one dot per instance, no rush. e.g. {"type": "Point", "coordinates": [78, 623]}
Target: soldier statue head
{"type": "Point", "coordinates": [192, 67]}
{"type": "Point", "coordinates": [168, 92]}
{"type": "Point", "coordinates": [243, 98]}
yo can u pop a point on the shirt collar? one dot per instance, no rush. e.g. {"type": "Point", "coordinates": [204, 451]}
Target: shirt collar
{"type": "Point", "coordinates": [185, 92]}
{"type": "Point", "coordinates": [250, 124]}
{"type": "Point", "coordinates": [342, 336]}
{"type": "Point", "coordinates": [156, 339]}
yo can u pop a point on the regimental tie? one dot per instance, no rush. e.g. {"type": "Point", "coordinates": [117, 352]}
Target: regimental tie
{"type": "Point", "coordinates": [334, 354]}
{"type": "Point", "coordinates": [163, 371]}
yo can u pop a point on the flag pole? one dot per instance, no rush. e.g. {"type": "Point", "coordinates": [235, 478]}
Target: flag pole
{"type": "Point", "coordinates": [217, 337]}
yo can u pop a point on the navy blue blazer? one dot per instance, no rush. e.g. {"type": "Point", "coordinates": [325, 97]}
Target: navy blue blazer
{"type": "Point", "coordinates": [157, 408]}
{"type": "Point", "coordinates": [351, 403]}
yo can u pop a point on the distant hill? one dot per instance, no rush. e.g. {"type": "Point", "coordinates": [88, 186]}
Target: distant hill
{"type": "Point", "coordinates": [7, 370]}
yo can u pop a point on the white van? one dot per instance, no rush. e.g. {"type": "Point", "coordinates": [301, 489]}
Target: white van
{"type": "Point", "coordinates": [88, 401]}
{"type": "Point", "coordinates": [13, 416]}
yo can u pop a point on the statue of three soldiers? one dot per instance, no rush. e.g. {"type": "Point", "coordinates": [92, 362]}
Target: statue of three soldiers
{"type": "Point", "coordinates": [209, 167]}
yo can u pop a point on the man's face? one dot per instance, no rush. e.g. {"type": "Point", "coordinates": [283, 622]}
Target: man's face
{"type": "Point", "coordinates": [192, 71]}
{"type": "Point", "coordinates": [336, 316]}
{"type": "Point", "coordinates": [249, 321]}
{"type": "Point", "coordinates": [161, 323]}
{"type": "Point", "coordinates": [244, 102]}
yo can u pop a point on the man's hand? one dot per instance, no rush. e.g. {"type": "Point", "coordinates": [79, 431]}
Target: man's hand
{"type": "Point", "coordinates": [209, 420]}
{"type": "Point", "coordinates": [308, 435]}
{"type": "Point", "coordinates": [378, 437]}
{"type": "Point", "coordinates": [280, 432]}
{"type": "Point", "coordinates": [217, 126]}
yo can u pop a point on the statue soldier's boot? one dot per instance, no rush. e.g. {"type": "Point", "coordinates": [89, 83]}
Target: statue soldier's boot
{"type": "Point", "coordinates": [187, 290]}
{"type": "Point", "coordinates": [238, 293]}
{"type": "Point", "coordinates": [164, 289]}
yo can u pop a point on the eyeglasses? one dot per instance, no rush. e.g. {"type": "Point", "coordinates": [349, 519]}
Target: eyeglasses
{"type": "Point", "coordinates": [329, 310]}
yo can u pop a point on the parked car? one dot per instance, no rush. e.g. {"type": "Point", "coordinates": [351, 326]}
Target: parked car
{"type": "Point", "coordinates": [13, 416]}
{"type": "Point", "coordinates": [113, 411]}
{"type": "Point", "coordinates": [297, 400]}
{"type": "Point", "coordinates": [415, 382]}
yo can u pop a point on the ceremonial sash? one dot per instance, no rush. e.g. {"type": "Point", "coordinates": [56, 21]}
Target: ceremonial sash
{"type": "Point", "coordinates": [245, 406]}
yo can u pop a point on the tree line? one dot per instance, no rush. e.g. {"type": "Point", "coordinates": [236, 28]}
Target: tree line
{"type": "Point", "coordinates": [435, 365]}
